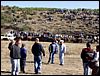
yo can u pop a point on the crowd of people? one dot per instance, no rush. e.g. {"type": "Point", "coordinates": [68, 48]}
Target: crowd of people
{"type": "Point", "coordinates": [77, 37]}
{"type": "Point", "coordinates": [18, 54]}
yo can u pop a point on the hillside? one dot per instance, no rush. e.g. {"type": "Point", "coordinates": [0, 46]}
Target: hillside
{"type": "Point", "coordinates": [54, 20]}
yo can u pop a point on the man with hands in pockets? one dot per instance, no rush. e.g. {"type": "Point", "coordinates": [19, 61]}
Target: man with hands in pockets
{"type": "Point", "coordinates": [62, 51]}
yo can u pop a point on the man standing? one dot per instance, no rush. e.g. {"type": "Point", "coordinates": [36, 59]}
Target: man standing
{"type": "Point", "coordinates": [15, 57]}
{"type": "Point", "coordinates": [62, 50]}
{"type": "Point", "coordinates": [23, 52]}
{"type": "Point", "coordinates": [86, 58]}
{"type": "Point", "coordinates": [37, 50]}
{"type": "Point", "coordinates": [95, 61]}
{"type": "Point", "coordinates": [53, 49]}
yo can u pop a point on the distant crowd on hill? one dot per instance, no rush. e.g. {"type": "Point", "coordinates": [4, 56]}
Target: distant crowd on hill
{"type": "Point", "coordinates": [48, 36]}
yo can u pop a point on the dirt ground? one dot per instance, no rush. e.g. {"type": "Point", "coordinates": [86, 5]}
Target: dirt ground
{"type": "Point", "coordinates": [72, 66]}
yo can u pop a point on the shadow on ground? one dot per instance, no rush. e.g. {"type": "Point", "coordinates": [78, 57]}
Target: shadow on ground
{"type": "Point", "coordinates": [5, 72]}
{"type": "Point", "coordinates": [29, 61]}
{"type": "Point", "coordinates": [33, 62]}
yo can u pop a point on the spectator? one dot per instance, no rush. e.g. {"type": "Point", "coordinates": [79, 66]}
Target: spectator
{"type": "Point", "coordinates": [10, 48]}
{"type": "Point", "coordinates": [15, 57]}
{"type": "Point", "coordinates": [23, 58]}
{"type": "Point", "coordinates": [95, 62]}
{"type": "Point", "coordinates": [62, 50]}
{"type": "Point", "coordinates": [86, 55]}
{"type": "Point", "coordinates": [37, 49]}
{"type": "Point", "coordinates": [53, 48]}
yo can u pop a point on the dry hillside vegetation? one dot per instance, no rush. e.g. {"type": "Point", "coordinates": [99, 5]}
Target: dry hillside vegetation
{"type": "Point", "coordinates": [50, 19]}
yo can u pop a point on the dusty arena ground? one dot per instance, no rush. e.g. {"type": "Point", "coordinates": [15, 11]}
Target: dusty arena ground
{"type": "Point", "coordinates": [72, 66]}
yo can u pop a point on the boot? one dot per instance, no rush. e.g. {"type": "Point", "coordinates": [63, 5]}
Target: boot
{"type": "Point", "coordinates": [23, 69]}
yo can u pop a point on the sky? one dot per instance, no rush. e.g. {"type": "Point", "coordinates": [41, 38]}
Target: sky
{"type": "Point", "coordinates": [54, 4]}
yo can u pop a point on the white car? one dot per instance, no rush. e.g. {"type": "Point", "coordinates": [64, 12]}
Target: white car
{"type": "Point", "coordinates": [10, 37]}
{"type": "Point", "coordinates": [7, 37]}
{"type": "Point", "coordinates": [3, 37]}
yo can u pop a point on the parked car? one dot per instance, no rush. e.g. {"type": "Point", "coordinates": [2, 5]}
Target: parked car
{"type": "Point", "coordinates": [7, 37]}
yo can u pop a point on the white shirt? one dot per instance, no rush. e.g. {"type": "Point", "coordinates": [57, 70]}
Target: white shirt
{"type": "Point", "coordinates": [96, 58]}
{"type": "Point", "coordinates": [62, 48]}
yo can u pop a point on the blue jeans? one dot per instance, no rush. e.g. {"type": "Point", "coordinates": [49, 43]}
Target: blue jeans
{"type": "Point", "coordinates": [37, 63]}
{"type": "Point", "coordinates": [52, 57]}
{"type": "Point", "coordinates": [22, 64]}
{"type": "Point", "coordinates": [87, 69]}
{"type": "Point", "coordinates": [15, 66]}
{"type": "Point", "coordinates": [61, 58]}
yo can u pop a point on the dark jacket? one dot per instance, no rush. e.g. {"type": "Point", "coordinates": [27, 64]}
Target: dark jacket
{"type": "Point", "coordinates": [15, 52]}
{"type": "Point", "coordinates": [51, 48]}
{"type": "Point", "coordinates": [9, 47]}
{"type": "Point", "coordinates": [37, 49]}
{"type": "Point", "coordinates": [23, 52]}
{"type": "Point", "coordinates": [85, 54]}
